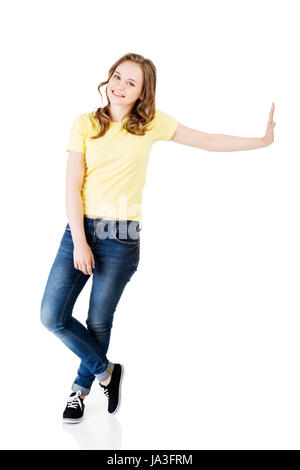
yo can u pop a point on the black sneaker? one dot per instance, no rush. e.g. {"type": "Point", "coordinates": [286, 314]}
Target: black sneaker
{"type": "Point", "coordinates": [74, 410]}
{"type": "Point", "coordinates": [113, 389]}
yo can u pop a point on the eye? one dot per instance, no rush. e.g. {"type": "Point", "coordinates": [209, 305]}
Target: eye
{"type": "Point", "coordinates": [128, 82]}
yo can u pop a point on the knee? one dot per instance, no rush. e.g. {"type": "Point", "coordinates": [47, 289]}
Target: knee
{"type": "Point", "coordinates": [48, 318]}
{"type": "Point", "coordinates": [99, 327]}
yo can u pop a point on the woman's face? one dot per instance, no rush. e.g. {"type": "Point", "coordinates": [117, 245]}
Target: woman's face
{"type": "Point", "coordinates": [127, 80]}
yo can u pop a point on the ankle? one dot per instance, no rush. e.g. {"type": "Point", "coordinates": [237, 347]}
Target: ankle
{"type": "Point", "coordinates": [106, 381]}
{"type": "Point", "coordinates": [82, 396]}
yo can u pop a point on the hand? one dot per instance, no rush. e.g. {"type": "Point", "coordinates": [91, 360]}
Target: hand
{"type": "Point", "coordinates": [269, 136]}
{"type": "Point", "coordinates": [83, 258]}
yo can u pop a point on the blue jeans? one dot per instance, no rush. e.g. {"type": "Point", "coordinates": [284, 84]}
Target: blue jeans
{"type": "Point", "coordinates": [115, 245]}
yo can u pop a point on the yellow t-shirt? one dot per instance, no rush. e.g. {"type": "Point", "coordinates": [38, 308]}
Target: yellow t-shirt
{"type": "Point", "coordinates": [116, 164]}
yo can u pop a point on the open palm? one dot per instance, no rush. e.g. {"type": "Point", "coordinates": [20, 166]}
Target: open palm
{"type": "Point", "coordinates": [269, 135]}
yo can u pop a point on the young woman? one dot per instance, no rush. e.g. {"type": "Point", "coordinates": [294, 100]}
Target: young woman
{"type": "Point", "coordinates": [108, 154]}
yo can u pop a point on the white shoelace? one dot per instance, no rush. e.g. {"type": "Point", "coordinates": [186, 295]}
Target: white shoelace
{"type": "Point", "coordinates": [74, 401]}
{"type": "Point", "coordinates": [106, 391]}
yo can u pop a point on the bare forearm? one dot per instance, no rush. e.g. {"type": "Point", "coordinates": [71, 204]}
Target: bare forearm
{"type": "Point", "coordinates": [231, 143]}
{"type": "Point", "coordinates": [75, 214]}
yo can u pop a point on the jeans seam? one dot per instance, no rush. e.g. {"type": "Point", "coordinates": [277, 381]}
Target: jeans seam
{"type": "Point", "coordinates": [68, 298]}
{"type": "Point", "coordinates": [82, 341]}
{"type": "Point", "coordinates": [61, 322]}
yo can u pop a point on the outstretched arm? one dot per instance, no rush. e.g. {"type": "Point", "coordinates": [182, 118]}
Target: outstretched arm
{"type": "Point", "coordinates": [224, 143]}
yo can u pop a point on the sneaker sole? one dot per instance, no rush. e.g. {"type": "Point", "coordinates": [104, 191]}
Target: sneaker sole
{"type": "Point", "coordinates": [68, 420]}
{"type": "Point", "coordinates": [119, 395]}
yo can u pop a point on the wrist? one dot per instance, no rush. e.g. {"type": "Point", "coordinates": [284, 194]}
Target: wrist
{"type": "Point", "coordinates": [79, 242]}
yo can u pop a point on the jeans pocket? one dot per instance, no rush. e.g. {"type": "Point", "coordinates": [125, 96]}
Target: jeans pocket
{"type": "Point", "coordinates": [127, 238]}
{"type": "Point", "coordinates": [126, 242]}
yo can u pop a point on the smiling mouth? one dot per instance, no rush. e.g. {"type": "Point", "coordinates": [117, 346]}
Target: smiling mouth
{"type": "Point", "coordinates": [118, 96]}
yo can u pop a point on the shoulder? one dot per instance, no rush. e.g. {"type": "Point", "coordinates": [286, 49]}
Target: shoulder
{"type": "Point", "coordinates": [164, 125]}
{"type": "Point", "coordinates": [86, 122]}
{"type": "Point", "coordinates": [87, 118]}
{"type": "Point", "coordinates": [159, 115]}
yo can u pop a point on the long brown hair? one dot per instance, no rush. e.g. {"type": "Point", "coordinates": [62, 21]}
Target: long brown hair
{"type": "Point", "coordinates": [143, 111]}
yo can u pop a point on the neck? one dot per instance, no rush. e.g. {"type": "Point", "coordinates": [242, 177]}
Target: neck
{"type": "Point", "coordinates": [116, 114]}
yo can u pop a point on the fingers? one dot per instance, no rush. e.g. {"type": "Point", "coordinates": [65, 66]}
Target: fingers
{"type": "Point", "coordinates": [89, 269]}
{"type": "Point", "coordinates": [272, 112]}
{"type": "Point", "coordinates": [86, 268]}
{"type": "Point", "coordinates": [90, 266]}
{"type": "Point", "coordinates": [84, 261]}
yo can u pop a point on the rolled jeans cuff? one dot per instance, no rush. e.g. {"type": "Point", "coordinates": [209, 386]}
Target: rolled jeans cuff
{"type": "Point", "coordinates": [105, 374]}
{"type": "Point", "coordinates": [84, 391]}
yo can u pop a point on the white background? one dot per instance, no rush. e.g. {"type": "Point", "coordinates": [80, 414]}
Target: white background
{"type": "Point", "coordinates": [208, 327]}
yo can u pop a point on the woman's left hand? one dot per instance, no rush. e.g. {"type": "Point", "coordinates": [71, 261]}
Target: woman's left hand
{"type": "Point", "coordinates": [269, 136]}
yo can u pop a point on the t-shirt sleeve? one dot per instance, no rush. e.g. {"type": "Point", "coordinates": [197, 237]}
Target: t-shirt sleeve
{"type": "Point", "coordinates": [164, 126]}
{"type": "Point", "coordinates": [77, 136]}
